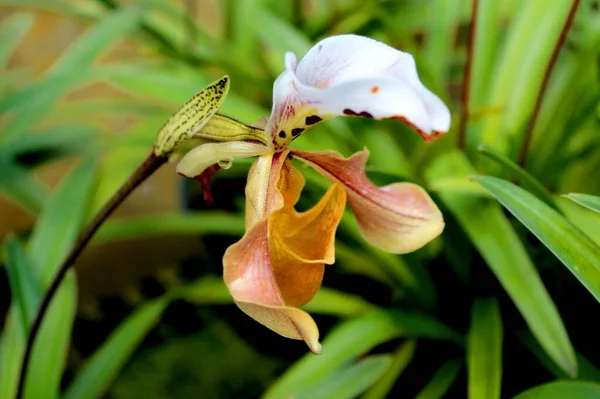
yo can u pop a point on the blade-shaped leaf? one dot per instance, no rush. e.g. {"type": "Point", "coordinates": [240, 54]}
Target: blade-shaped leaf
{"type": "Point", "coordinates": [11, 353]}
{"type": "Point", "coordinates": [338, 303]}
{"type": "Point", "coordinates": [106, 363]}
{"type": "Point", "coordinates": [59, 223]}
{"type": "Point", "coordinates": [211, 290]}
{"type": "Point", "coordinates": [31, 104]}
{"type": "Point", "coordinates": [484, 350]}
{"type": "Point", "coordinates": [349, 382]}
{"type": "Point", "coordinates": [400, 360]}
{"type": "Point", "coordinates": [589, 201]}
{"type": "Point", "coordinates": [484, 51]}
{"type": "Point", "coordinates": [515, 83]}
{"type": "Point", "coordinates": [59, 139]}
{"type": "Point", "coordinates": [527, 181]}
{"type": "Point", "coordinates": [207, 290]}
{"type": "Point", "coordinates": [491, 233]}
{"type": "Point", "coordinates": [21, 187]}
{"type": "Point", "coordinates": [176, 223]}
{"type": "Point", "coordinates": [12, 30]}
{"type": "Point", "coordinates": [441, 381]}
{"type": "Point", "coordinates": [49, 353]}
{"type": "Point", "coordinates": [100, 39]}
{"type": "Point", "coordinates": [574, 249]}
{"type": "Point", "coordinates": [587, 371]}
{"type": "Point", "coordinates": [25, 294]}
{"type": "Point", "coordinates": [562, 390]}
{"type": "Point", "coordinates": [352, 339]}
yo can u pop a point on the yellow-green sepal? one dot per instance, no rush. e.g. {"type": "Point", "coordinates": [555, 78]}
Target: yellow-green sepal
{"type": "Point", "coordinates": [191, 117]}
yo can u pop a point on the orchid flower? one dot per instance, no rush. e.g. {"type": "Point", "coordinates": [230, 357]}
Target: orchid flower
{"type": "Point", "coordinates": [278, 264]}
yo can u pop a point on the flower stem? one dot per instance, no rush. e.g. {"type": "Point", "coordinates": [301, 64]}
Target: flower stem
{"type": "Point", "coordinates": [145, 170]}
{"type": "Point", "coordinates": [549, 68]}
{"type": "Point", "coordinates": [466, 88]}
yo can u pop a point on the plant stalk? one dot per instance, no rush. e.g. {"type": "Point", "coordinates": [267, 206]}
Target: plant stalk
{"type": "Point", "coordinates": [145, 170]}
{"type": "Point", "coordinates": [466, 88]}
{"type": "Point", "coordinates": [540, 97]}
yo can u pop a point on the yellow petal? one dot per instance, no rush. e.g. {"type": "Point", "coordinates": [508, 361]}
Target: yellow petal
{"type": "Point", "coordinates": [248, 271]}
{"type": "Point", "coordinates": [278, 265]}
{"type": "Point", "coordinates": [300, 244]}
{"type": "Point", "coordinates": [398, 218]}
{"type": "Point", "coordinates": [289, 322]}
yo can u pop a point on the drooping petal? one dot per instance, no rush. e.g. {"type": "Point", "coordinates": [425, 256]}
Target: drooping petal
{"type": "Point", "coordinates": [249, 276]}
{"type": "Point", "coordinates": [278, 265]}
{"type": "Point", "coordinates": [301, 244]}
{"type": "Point", "coordinates": [397, 218]}
{"type": "Point", "coordinates": [205, 155]}
{"type": "Point", "coordinates": [353, 75]}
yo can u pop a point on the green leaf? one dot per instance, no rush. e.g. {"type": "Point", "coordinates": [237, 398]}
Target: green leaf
{"type": "Point", "coordinates": [207, 290]}
{"type": "Point", "coordinates": [349, 382]}
{"type": "Point", "coordinates": [12, 29]}
{"type": "Point", "coordinates": [574, 249]}
{"type": "Point", "coordinates": [59, 223]}
{"type": "Point", "coordinates": [589, 201]}
{"type": "Point", "coordinates": [22, 188]}
{"type": "Point", "coordinates": [31, 104]}
{"type": "Point", "coordinates": [587, 371]}
{"type": "Point", "coordinates": [11, 353]}
{"type": "Point", "coordinates": [401, 359]}
{"type": "Point", "coordinates": [484, 350]}
{"type": "Point", "coordinates": [484, 51]}
{"type": "Point", "coordinates": [518, 75]}
{"type": "Point", "coordinates": [58, 139]}
{"type": "Point", "coordinates": [562, 390]}
{"type": "Point", "coordinates": [211, 290]}
{"type": "Point", "coordinates": [444, 16]}
{"type": "Point", "coordinates": [492, 233]}
{"type": "Point", "coordinates": [108, 360]}
{"type": "Point", "coordinates": [49, 353]}
{"type": "Point", "coordinates": [175, 223]}
{"type": "Point", "coordinates": [585, 219]}
{"type": "Point", "coordinates": [280, 35]}
{"type": "Point", "coordinates": [527, 181]}
{"type": "Point", "coordinates": [441, 381]}
{"type": "Point", "coordinates": [99, 40]}
{"type": "Point", "coordinates": [338, 303]}
{"type": "Point", "coordinates": [54, 233]}
{"type": "Point", "coordinates": [25, 293]}
{"type": "Point", "coordinates": [352, 339]}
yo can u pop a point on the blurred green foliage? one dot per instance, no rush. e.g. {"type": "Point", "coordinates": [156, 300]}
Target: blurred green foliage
{"type": "Point", "coordinates": [502, 302]}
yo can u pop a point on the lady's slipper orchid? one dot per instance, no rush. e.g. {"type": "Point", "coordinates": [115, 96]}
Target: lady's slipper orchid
{"type": "Point", "coordinates": [278, 265]}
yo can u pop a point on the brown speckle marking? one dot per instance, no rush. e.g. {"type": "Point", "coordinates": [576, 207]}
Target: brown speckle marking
{"type": "Point", "coordinates": [364, 114]}
{"type": "Point", "coordinates": [374, 89]}
{"type": "Point", "coordinates": [282, 134]}
{"type": "Point", "coordinates": [297, 131]}
{"type": "Point", "coordinates": [427, 137]}
{"type": "Point", "coordinates": [311, 120]}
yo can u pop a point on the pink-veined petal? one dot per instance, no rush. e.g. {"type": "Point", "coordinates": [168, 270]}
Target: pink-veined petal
{"type": "Point", "coordinates": [279, 263]}
{"type": "Point", "coordinates": [250, 278]}
{"type": "Point", "coordinates": [353, 75]}
{"type": "Point", "coordinates": [397, 218]}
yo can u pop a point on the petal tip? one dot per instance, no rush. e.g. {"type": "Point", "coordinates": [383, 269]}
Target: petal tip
{"type": "Point", "coordinates": [315, 347]}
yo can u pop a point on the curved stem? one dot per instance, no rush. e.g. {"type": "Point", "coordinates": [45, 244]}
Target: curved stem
{"type": "Point", "coordinates": [549, 68]}
{"type": "Point", "coordinates": [147, 168]}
